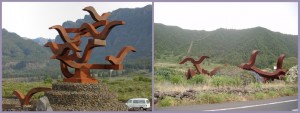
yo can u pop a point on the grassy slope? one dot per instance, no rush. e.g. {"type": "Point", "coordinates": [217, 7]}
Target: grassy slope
{"type": "Point", "coordinates": [169, 78]}
{"type": "Point", "coordinates": [224, 45]}
{"type": "Point", "coordinates": [125, 88]}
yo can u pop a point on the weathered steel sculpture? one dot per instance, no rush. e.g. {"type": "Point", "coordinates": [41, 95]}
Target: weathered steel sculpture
{"type": "Point", "coordinates": [68, 53]}
{"type": "Point", "coordinates": [277, 74]}
{"type": "Point", "coordinates": [190, 72]}
{"type": "Point", "coordinates": [24, 99]}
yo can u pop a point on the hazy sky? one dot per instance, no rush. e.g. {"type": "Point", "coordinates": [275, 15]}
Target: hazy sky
{"type": "Point", "coordinates": [278, 16]}
{"type": "Point", "coordinates": [32, 19]}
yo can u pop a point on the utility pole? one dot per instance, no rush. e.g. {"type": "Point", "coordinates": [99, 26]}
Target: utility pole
{"type": "Point", "coordinates": [189, 50]}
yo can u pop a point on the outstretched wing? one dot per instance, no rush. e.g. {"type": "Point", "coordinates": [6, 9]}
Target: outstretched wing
{"type": "Point", "coordinates": [95, 15]}
{"type": "Point", "coordinates": [120, 57]}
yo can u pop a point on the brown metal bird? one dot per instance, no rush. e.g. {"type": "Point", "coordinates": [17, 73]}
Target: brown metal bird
{"type": "Point", "coordinates": [97, 35]}
{"type": "Point", "coordinates": [24, 99]}
{"type": "Point", "coordinates": [251, 61]}
{"type": "Point", "coordinates": [60, 49]}
{"type": "Point", "coordinates": [95, 15]}
{"type": "Point", "coordinates": [193, 61]}
{"type": "Point", "coordinates": [120, 57]}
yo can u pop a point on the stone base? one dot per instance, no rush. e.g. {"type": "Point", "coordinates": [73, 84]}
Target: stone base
{"type": "Point", "coordinates": [83, 97]}
{"type": "Point", "coordinates": [81, 80]}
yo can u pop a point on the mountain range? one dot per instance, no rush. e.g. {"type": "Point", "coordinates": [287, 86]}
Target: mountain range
{"type": "Point", "coordinates": [136, 32]}
{"type": "Point", "coordinates": [24, 57]}
{"type": "Point", "coordinates": [224, 45]}
{"type": "Point", "coordinates": [27, 58]}
{"type": "Point", "coordinates": [41, 41]}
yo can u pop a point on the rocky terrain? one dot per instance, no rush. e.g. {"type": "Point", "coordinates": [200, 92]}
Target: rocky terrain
{"type": "Point", "coordinates": [191, 94]}
{"type": "Point", "coordinates": [292, 74]}
{"type": "Point", "coordinates": [83, 97]}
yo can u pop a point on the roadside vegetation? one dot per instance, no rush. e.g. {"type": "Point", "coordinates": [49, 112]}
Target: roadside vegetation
{"type": "Point", "coordinates": [24, 87]}
{"type": "Point", "coordinates": [136, 86]}
{"type": "Point", "coordinates": [228, 85]}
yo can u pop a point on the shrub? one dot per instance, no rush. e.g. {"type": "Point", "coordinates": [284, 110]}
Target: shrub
{"type": "Point", "coordinates": [165, 72]}
{"type": "Point", "coordinates": [142, 78]}
{"type": "Point", "coordinates": [208, 98]}
{"type": "Point", "coordinates": [289, 62]}
{"type": "Point", "coordinates": [260, 95]}
{"type": "Point", "coordinates": [167, 101]}
{"type": "Point", "coordinates": [159, 78]}
{"type": "Point", "coordinates": [177, 79]}
{"type": "Point", "coordinates": [256, 85]}
{"type": "Point", "coordinates": [288, 92]}
{"type": "Point", "coordinates": [217, 81]}
{"type": "Point", "coordinates": [273, 94]}
{"type": "Point", "coordinates": [127, 89]}
{"type": "Point", "coordinates": [47, 80]}
{"type": "Point", "coordinates": [104, 80]}
{"type": "Point", "coordinates": [198, 79]}
{"type": "Point", "coordinates": [233, 71]}
{"type": "Point", "coordinates": [236, 81]}
{"type": "Point", "coordinates": [291, 75]}
{"type": "Point", "coordinates": [220, 81]}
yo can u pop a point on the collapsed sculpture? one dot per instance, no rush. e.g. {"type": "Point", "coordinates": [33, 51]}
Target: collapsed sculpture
{"type": "Point", "coordinates": [68, 53]}
{"type": "Point", "coordinates": [279, 73]}
{"type": "Point", "coordinates": [190, 72]}
{"type": "Point", "coordinates": [24, 99]}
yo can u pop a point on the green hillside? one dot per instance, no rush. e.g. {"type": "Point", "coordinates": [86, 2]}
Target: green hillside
{"type": "Point", "coordinates": [136, 32]}
{"type": "Point", "coordinates": [23, 57]}
{"type": "Point", "coordinates": [224, 45]}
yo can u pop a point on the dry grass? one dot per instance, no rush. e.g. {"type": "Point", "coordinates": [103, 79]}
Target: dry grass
{"type": "Point", "coordinates": [182, 68]}
{"type": "Point", "coordinates": [230, 84]}
{"type": "Point", "coordinates": [169, 87]}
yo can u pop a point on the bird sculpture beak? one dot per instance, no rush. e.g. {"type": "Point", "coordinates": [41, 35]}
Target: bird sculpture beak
{"type": "Point", "coordinates": [51, 27]}
{"type": "Point", "coordinates": [46, 45]}
{"type": "Point", "coordinates": [86, 8]}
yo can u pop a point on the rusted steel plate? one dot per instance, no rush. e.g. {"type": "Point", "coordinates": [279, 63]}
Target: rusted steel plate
{"type": "Point", "coordinates": [190, 73]}
{"type": "Point", "coordinates": [120, 57]}
{"type": "Point", "coordinates": [277, 74]}
{"type": "Point", "coordinates": [24, 99]}
{"type": "Point", "coordinates": [95, 15]}
{"type": "Point", "coordinates": [69, 52]}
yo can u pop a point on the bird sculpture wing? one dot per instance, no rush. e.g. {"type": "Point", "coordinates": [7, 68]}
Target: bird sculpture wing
{"type": "Point", "coordinates": [95, 16]}
{"type": "Point", "coordinates": [120, 57]}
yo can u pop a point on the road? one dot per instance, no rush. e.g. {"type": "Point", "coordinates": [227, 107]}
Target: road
{"type": "Point", "coordinates": [289, 103]}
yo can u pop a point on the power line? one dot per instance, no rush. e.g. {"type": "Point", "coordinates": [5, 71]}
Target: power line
{"type": "Point", "coordinates": [191, 45]}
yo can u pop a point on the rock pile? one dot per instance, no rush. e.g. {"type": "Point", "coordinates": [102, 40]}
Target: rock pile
{"type": "Point", "coordinates": [191, 94]}
{"type": "Point", "coordinates": [292, 74]}
{"type": "Point", "coordinates": [11, 104]}
{"type": "Point", "coordinates": [83, 97]}
{"type": "Point", "coordinates": [43, 104]}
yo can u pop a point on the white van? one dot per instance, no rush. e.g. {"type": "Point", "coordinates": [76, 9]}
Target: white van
{"type": "Point", "coordinates": [138, 103]}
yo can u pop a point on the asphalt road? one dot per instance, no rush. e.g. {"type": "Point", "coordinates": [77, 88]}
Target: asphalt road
{"type": "Point", "coordinates": [289, 103]}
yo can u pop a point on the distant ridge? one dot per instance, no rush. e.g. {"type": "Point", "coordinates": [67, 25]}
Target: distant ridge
{"type": "Point", "coordinates": [224, 45]}
{"type": "Point", "coordinates": [41, 41]}
{"type": "Point", "coordinates": [27, 58]}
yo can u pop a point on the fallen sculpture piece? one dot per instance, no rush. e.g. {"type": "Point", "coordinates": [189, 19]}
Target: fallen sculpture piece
{"type": "Point", "coordinates": [69, 52]}
{"type": "Point", "coordinates": [279, 73]}
{"type": "Point", "coordinates": [190, 73]}
{"type": "Point", "coordinates": [24, 99]}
